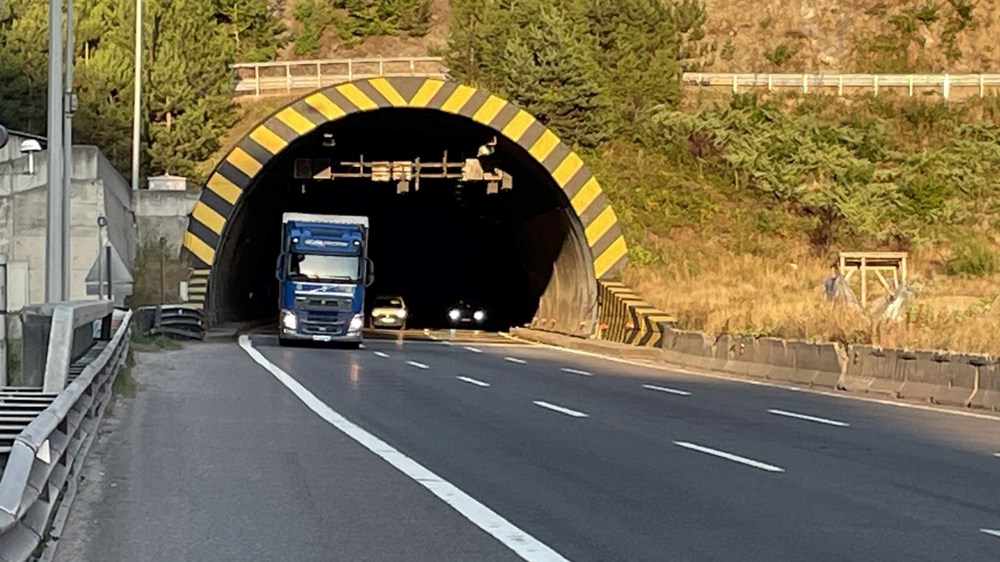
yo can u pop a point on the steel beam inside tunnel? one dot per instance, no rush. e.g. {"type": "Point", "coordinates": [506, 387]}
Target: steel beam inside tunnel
{"type": "Point", "coordinates": [584, 241]}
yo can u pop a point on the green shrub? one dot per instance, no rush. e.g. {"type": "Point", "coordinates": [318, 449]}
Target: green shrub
{"type": "Point", "coordinates": [974, 258]}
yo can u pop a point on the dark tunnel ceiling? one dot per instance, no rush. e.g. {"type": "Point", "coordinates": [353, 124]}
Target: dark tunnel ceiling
{"type": "Point", "coordinates": [433, 246]}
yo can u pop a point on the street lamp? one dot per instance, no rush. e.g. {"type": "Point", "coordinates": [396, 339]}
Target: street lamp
{"type": "Point", "coordinates": [137, 95]}
{"type": "Point", "coordinates": [102, 223]}
{"type": "Point", "coordinates": [55, 286]}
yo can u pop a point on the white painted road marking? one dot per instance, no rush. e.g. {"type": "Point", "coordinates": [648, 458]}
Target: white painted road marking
{"type": "Point", "coordinates": [417, 365]}
{"type": "Point", "coordinates": [729, 456]}
{"type": "Point", "coordinates": [667, 390]}
{"type": "Point", "coordinates": [990, 532]}
{"type": "Point", "coordinates": [515, 360]}
{"type": "Point", "coordinates": [361, 346]}
{"type": "Point", "coordinates": [473, 349]}
{"type": "Point", "coordinates": [381, 354]}
{"type": "Point", "coordinates": [526, 546]}
{"type": "Point", "coordinates": [560, 409]}
{"type": "Point", "coordinates": [808, 418]}
{"type": "Point", "coordinates": [577, 372]}
{"type": "Point", "coordinates": [996, 455]}
{"type": "Point", "coordinates": [471, 380]}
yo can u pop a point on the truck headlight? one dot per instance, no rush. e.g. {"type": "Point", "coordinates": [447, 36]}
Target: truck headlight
{"type": "Point", "coordinates": [288, 320]}
{"type": "Point", "coordinates": [479, 316]}
{"type": "Point", "coordinates": [357, 322]}
{"type": "Point", "coordinates": [454, 314]}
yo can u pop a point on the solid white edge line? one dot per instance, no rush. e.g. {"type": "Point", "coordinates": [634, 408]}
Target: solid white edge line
{"type": "Point", "coordinates": [417, 365]}
{"type": "Point", "coordinates": [666, 390]}
{"type": "Point", "coordinates": [991, 532]}
{"type": "Point", "coordinates": [675, 369]}
{"type": "Point", "coordinates": [471, 380]}
{"type": "Point", "coordinates": [807, 417]}
{"type": "Point", "coordinates": [525, 545]}
{"type": "Point", "coordinates": [729, 456]}
{"type": "Point", "coordinates": [560, 409]}
{"type": "Point", "coordinates": [473, 349]}
{"type": "Point", "coordinates": [577, 372]}
{"type": "Point", "coordinates": [381, 354]}
{"type": "Point", "coordinates": [515, 360]}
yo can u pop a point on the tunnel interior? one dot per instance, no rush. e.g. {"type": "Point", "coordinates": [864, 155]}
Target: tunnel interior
{"type": "Point", "coordinates": [518, 252]}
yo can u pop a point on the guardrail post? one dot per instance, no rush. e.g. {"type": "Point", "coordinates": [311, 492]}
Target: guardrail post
{"type": "Point", "coordinates": [3, 320]}
{"type": "Point", "coordinates": [736, 85]}
{"type": "Point", "coordinates": [60, 350]}
{"type": "Point", "coordinates": [840, 85]}
{"type": "Point", "coordinates": [875, 83]}
{"type": "Point", "coordinates": [946, 87]}
{"type": "Point", "coordinates": [350, 71]}
{"type": "Point", "coordinates": [381, 67]}
{"type": "Point", "coordinates": [770, 83]}
{"type": "Point", "coordinates": [256, 84]}
{"type": "Point", "coordinates": [413, 69]}
{"type": "Point", "coordinates": [805, 83]}
{"type": "Point", "coordinates": [909, 84]}
{"type": "Point", "coordinates": [319, 74]}
{"type": "Point", "coordinates": [288, 77]}
{"type": "Point", "coordinates": [982, 86]}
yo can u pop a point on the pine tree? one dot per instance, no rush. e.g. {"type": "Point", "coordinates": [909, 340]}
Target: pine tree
{"type": "Point", "coordinates": [252, 26]}
{"type": "Point", "coordinates": [23, 64]}
{"type": "Point", "coordinates": [549, 70]}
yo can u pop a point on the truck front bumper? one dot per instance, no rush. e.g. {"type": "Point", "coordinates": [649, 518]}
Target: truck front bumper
{"type": "Point", "coordinates": [350, 337]}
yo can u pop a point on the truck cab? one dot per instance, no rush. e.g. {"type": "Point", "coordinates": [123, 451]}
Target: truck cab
{"type": "Point", "coordinates": [323, 270]}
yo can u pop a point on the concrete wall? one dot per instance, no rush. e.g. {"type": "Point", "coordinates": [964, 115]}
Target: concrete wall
{"type": "Point", "coordinates": [97, 190]}
{"type": "Point", "coordinates": [163, 213]}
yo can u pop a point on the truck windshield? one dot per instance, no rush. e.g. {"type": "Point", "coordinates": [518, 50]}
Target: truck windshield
{"type": "Point", "coordinates": [315, 267]}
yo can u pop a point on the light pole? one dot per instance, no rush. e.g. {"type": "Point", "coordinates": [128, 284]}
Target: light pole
{"type": "Point", "coordinates": [68, 109]}
{"type": "Point", "coordinates": [55, 288]}
{"type": "Point", "coordinates": [102, 222]}
{"type": "Point", "coordinates": [137, 95]}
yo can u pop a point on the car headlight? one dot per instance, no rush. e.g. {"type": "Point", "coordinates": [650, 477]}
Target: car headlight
{"type": "Point", "coordinates": [288, 320]}
{"type": "Point", "coordinates": [454, 314]}
{"type": "Point", "coordinates": [479, 316]}
{"type": "Point", "coordinates": [401, 313]}
{"type": "Point", "coordinates": [357, 322]}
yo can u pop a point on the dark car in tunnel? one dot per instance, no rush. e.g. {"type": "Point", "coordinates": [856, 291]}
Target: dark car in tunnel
{"type": "Point", "coordinates": [466, 313]}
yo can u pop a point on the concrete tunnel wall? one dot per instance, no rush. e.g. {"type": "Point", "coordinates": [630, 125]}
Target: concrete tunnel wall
{"type": "Point", "coordinates": [592, 249]}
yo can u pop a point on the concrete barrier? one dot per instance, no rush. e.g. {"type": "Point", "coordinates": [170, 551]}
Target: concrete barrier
{"type": "Point", "coordinates": [872, 370]}
{"type": "Point", "coordinates": [940, 378]}
{"type": "Point", "coordinates": [690, 349]}
{"type": "Point", "coordinates": [987, 395]}
{"type": "Point", "coordinates": [817, 364]}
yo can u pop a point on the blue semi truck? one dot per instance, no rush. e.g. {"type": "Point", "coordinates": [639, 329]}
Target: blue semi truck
{"type": "Point", "coordinates": [322, 272]}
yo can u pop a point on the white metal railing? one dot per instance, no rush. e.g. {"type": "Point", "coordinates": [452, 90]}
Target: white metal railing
{"type": "Point", "coordinates": [285, 77]}
{"type": "Point", "coordinates": [944, 84]}
{"type": "Point", "coordinates": [290, 76]}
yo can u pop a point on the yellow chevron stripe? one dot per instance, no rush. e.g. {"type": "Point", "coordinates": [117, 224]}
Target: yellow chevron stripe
{"type": "Point", "coordinates": [357, 97]}
{"type": "Point", "coordinates": [268, 139]}
{"type": "Point", "coordinates": [610, 257]}
{"type": "Point", "coordinates": [587, 194]}
{"type": "Point", "coordinates": [208, 217]}
{"type": "Point", "coordinates": [325, 106]}
{"type": "Point", "coordinates": [518, 125]}
{"type": "Point", "coordinates": [489, 111]}
{"type": "Point", "coordinates": [567, 169]}
{"type": "Point", "coordinates": [426, 93]}
{"type": "Point", "coordinates": [457, 100]}
{"type": "Point", "coordinates": [295, 120]}
{"type": "Point", "coordinates": [199, 248]}
{"type": "Point", "coordinates": [244, 162]}
{"type": "Point", "coordinates": [224, 188]}
{"type": "Point", "coordinates": [388, 91]}
{"type": "Point", "coordinates": [601, 224]}
{"type": "Point", "coordinates": [544, 145]}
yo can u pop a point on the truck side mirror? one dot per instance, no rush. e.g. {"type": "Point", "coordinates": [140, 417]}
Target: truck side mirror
{"type": "Point", "coordinates": [369, 272]}
{"type": "Point", "coordinates": [279, 267]}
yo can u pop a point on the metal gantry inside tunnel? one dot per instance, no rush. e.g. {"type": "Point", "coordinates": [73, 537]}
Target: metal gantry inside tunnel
{"type": "Point", "coordinates": [468, 198]}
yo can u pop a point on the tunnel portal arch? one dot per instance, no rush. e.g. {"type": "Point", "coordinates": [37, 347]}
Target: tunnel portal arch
{"type": "Point", "coordinates": [566, 306]}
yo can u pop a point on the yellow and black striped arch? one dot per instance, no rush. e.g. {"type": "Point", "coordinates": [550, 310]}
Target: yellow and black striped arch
{"type": "Point", "coordinates": [244, 162]}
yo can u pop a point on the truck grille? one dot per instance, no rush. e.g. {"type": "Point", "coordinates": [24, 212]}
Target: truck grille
{"type": "Point", "coordinates": [319, 315]}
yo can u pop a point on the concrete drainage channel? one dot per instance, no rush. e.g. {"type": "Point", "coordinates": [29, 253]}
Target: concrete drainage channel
{"type": "Point", "coordinates": [946, 379]}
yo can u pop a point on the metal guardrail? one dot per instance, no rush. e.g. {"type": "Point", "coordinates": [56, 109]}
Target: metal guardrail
{"type": "Point", "coordinates": [290, 76]}
{"type": "Point", "coordinates": [286, 77]}
{"type": "Point", "coordinates": [44, 456]}
{"type": "Point", "coordinates": [944, 84]}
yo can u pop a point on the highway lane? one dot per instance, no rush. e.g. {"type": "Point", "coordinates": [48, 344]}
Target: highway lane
{"type": "Point", "coordinates": [213, 460]}
{"type": "Point", "coordinates": [602, 460]}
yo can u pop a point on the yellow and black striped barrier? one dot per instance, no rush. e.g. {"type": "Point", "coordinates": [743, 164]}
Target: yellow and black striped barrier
{"type": "Point", "coordinates": [624, 317]}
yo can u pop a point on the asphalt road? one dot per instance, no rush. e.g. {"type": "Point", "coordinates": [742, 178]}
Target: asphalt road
{"type": "Point", "coordinates": [598, 460]}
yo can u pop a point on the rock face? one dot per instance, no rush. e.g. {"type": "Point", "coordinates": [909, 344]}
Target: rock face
{"type": "Point", "coordinates": [853, 36]}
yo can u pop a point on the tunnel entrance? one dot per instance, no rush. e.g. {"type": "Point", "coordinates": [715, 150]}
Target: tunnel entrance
{"type": "Point", "coordinates": [530, 250]}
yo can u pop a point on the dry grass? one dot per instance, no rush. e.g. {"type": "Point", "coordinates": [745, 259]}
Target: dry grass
{"type": "Point", "coordinates": [719, 292]}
